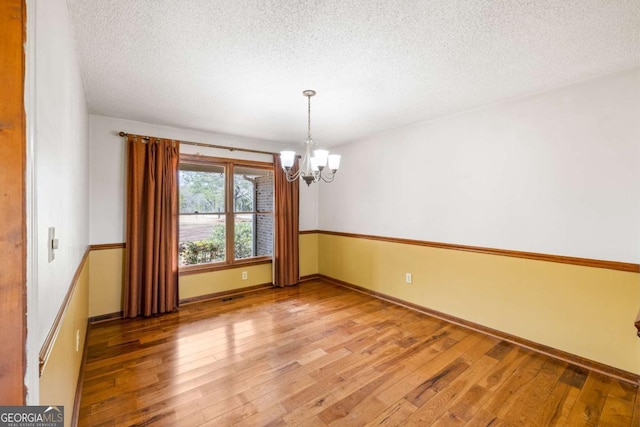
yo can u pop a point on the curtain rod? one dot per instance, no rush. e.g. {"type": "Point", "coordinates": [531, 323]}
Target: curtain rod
{"type": "Point", "coordinates": [201, 144]}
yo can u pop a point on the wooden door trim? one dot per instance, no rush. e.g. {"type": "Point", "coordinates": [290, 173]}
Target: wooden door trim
{"type": "Point", "coordinates": [13, 231]}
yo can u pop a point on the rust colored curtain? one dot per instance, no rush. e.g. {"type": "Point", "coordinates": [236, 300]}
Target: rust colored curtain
{"type": "Point", "coordinates": [151, 284]}
{"type": "Point", "coordinates": [286, 271]}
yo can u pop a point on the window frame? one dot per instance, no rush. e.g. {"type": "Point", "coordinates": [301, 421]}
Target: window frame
{"type": "Point", "coordinates": [229, 212]}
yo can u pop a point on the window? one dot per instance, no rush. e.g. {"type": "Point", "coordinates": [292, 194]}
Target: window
{"type": "Point", "coordinates": [226, 211]}
{"type": "Point", "coordinates": [253, 212]}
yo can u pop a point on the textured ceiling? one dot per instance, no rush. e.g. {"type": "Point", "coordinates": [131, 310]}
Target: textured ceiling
{"type": "Point", "coordinates": [239, 67]}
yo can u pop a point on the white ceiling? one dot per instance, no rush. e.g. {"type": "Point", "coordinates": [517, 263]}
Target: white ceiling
{"type": "Point", "coordinates": [239, 67]}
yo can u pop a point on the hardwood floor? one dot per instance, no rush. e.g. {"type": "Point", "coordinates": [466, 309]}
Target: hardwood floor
{"type": "Point", "coordinates": [318, 355]}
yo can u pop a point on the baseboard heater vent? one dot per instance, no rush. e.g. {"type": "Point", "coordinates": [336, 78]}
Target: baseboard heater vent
{"type": "Point", "coordinates": [232, 297]}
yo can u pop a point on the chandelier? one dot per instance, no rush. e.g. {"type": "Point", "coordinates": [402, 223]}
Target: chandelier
{"type": "Point", "coordinates": [321, 166]}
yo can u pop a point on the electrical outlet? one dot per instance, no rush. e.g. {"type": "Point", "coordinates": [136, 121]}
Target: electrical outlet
{"type": "Point", "coordinates": [244, 275]}
{"type": "Point", "coordinates": [408, 278]}
{"type": "Point", "coordinates": [77, 340]}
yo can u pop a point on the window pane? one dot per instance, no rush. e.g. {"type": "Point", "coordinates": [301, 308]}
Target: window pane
{"type": "Point", "coordinates": [264, 232]}
{"type": "Point", "coordinates": [202, 239]}
{"type": "Point", "coordinates": [252, 189]}
{"type": "Point", "coordinates": [253, 235]}
{"type": "Point", "coordinates": [244, 236]}
{"type": "Point", "coordinates": [201, 188]}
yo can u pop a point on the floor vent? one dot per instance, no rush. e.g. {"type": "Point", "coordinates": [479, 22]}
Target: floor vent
{"type": "Point", "coordinates": [232, 297]}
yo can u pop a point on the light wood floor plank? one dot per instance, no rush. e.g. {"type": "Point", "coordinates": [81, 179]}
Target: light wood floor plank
{"type": "Point", "coordinates": [635, 421]}
{"type": "Point", "coordinates": [591, 401]}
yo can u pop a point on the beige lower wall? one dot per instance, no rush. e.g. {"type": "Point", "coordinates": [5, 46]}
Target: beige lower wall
{"type": "Point", "coordinates": [195, 285]}
{"type": "Point", "coordinates": [308, 254]}
{"type": "Point", "coordinates": [585, 311]}
{"type": "Point", "coordinates": [107, 276]}
{"type": "Point", "coordinates": [60, 375]}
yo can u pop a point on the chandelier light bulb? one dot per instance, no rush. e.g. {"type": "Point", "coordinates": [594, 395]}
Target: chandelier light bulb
{"type": "Point", "coordinates": [314, 164]}
{"type": "Point", "coordinates": [334, 162]}
{"type": "Point", "coordinates": [287, 158]}
{"type": "Point", "coordinates": [321, 158]}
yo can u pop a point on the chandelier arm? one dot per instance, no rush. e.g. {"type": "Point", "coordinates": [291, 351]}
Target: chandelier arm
{"type": "Point", "coordinates": [293, 176]}
{"type": "Point", "coordinates": [328, 177]}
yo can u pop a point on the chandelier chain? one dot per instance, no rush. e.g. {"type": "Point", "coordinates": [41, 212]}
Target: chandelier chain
{"type": "Point", "coordinates": [308, 116]}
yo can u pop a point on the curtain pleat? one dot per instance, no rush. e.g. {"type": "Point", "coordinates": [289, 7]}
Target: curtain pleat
{"type": "Point", "coordinates": [286, 271]}
{"type": "Point", "coordinates": [151, 283]}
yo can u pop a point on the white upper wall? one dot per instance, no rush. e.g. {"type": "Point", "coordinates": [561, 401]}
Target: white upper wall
{"type": "Point", "coordinates": [309, 205]}
{"type": "Point", "coordinates": [556, 172]}
{"type": "Point", "coordinates": [61, 159]}
{"type": "Point", "coordinates": [108, 170]}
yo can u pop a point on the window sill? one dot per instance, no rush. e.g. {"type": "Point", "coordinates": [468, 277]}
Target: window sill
{"type": "Point", "coordinates": [204, 268]}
